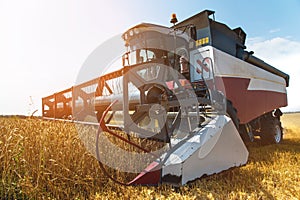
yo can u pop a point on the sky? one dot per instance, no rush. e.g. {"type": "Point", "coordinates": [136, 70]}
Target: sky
{"type": "Point", "coordinates": [43, 43]}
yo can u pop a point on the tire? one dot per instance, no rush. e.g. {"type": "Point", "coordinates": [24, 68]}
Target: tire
{"type": "Point", "coordinates": [271, 130]}
{"type": "Point", "coordinates": [232, 112]}
{"type": "Point", "coordinates": [245, 130]}
{"type": "Point", "coordinates": [246, 133]}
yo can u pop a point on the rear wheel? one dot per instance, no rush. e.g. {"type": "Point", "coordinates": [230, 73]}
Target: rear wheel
{"type": "Point", "coordinates": [246, 133]}
{"type": "Point", "coordinates": [271, 130]}
{"type": "Point", "coordinates": [232, 112]}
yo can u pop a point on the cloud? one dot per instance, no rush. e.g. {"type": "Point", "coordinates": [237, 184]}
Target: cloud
{"type": "Point", "coordinates": [283, 54]}
{"type": "Point", "coordinates": [274, 30]}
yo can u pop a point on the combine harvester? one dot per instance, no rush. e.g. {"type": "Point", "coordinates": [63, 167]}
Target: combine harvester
{"type": "Point", "coordinates": [192, 87]}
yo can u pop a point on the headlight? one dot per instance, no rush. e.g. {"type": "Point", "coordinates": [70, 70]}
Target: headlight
{"type": "Point", "coordinates": [131, 32]}
{"type": "Point", "coordinates": [136, 31]}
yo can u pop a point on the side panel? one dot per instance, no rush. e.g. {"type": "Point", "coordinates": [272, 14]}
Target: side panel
{"type": "Point", "coordinates": [252, 90]}
{"type": "Point", "coordinates": [198, 56]}
{"type": "Point", "coordinates": [251, 103]}
{"type": "Point", "coordinates": [222, 151]}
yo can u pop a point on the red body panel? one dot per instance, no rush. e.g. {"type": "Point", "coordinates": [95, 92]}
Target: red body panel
{"type": "Point", "coordinates": [250, 104]}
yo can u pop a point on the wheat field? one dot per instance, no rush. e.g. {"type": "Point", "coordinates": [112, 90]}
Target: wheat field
{"type": "Point", "coordinates": [47, 160]}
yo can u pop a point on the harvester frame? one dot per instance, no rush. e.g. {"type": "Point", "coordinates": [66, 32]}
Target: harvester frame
{"type": "Point", "coordinates": [222, 94]}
